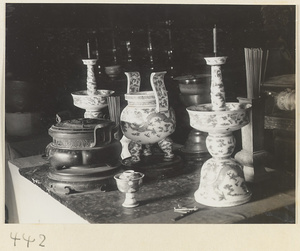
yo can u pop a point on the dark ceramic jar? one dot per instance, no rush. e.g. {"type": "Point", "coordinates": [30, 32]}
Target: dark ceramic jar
{"type": "Point", "coordinates": [83, 142]}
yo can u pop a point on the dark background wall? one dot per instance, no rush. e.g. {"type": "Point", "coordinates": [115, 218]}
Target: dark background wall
{"type": "Point", "coordinates": [46, 42]}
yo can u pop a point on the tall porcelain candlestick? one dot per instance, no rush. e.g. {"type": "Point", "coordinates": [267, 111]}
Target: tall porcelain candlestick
{"type": "Point", "coordinates": [91, 99]}
{"type": "Point", "coordinates": [222, 182]}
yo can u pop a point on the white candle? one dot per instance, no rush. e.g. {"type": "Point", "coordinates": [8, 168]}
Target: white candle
{"type": "Point", "coordinates": [88, 49]}
{"type": "Point", "coordinates": [215, 39]}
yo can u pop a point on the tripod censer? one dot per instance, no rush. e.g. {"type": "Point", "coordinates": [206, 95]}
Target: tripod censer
{"type": "Point", "coordinates": [148, 120]}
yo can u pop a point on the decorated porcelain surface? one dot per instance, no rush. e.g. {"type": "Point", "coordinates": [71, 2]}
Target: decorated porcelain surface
{"type": "Point", "coordinates": [91, 102]}
{"type": "Point", "coordinates": [160, 91]}
{"type": "Point", "coordinates": [134, 81]}
{"type": "Point", "coordinates": [217, 92]}
{"type": "Point", "coordinates": [220, 146]}
{"type": "Point", "coordinates": [222, 184]}
{"type": "Point", "coordinates": [147, 119]}
{"type": "Point", "coordinates": [145, 125]}
{"type": "Point", "coordinates": [90, 79]}
{"type": "Point", "coordinates": [129, 181]}
{"type": "Point", "coordinates": [215, 60]}
{"type": "Point", "coordinates": [203, 118]}
{"type": "Point", "coordinates": [144, 98]}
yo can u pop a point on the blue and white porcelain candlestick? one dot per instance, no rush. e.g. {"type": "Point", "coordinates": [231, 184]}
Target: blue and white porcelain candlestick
{"type": "Point", "coordinates": [91, 99]}
{"type": "Point", "coordinates": [222, 182]}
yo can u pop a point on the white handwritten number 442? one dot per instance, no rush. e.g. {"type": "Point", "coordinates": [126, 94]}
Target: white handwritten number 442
{"type": "Point", "coordinates": [28, 239]}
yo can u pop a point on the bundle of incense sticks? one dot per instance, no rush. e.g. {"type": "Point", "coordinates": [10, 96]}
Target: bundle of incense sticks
{"type": "Point", "coordinates": [114, 110]}
{"type": "Point", "coordinates": [253, 62]}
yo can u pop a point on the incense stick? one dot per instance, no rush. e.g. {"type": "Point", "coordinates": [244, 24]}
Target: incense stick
{"type": "Point", "coordinates": [253, 63]}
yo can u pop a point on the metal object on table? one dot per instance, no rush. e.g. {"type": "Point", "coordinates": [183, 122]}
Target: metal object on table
{"type": "Point", "coordinates": [184, 211]}
{"type": "Point", "coordinates": [84, 155]}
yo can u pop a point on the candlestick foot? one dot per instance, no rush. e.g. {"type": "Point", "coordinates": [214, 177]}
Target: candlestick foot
{"type": "Point", "coordinates": [222, 184]}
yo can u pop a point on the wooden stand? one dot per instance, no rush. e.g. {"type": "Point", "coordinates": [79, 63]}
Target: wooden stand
{"type": "Point", "coordinates": [253, 156]}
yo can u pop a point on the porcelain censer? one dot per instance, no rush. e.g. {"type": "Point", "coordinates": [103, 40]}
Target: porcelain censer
{"type": "Point", "coordinates": [148, 119]}
{"type": "Point", "coordinates": [147, 122]}
{"type": "Point", "coordinates": [83, 155]}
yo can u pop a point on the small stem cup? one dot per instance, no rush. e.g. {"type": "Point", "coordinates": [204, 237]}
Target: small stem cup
{"type": "Point", "coordinates": [129, 183]}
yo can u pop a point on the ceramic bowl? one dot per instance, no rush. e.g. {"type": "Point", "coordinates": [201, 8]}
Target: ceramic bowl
{"type": "Point", "coordinates": [203, 118]}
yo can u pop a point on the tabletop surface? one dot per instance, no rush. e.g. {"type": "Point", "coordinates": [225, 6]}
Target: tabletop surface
{"type": "Point", "coordinates": [158, 198]}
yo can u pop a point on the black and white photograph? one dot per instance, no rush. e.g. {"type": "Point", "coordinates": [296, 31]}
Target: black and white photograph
{"type": "Point", "coordinates": [149, 114]}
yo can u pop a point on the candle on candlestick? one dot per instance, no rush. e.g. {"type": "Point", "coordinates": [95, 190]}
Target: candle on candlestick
{"type": "Point", "coordinates": [88, 49]}
{"type": "Point", "coordinates": [215, 39]}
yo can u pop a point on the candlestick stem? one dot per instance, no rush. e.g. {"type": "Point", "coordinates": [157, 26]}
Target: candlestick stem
{"type": "Point", "coordinates": [217, 92]}
{"type": "Point", "coordinates": [90, 80]}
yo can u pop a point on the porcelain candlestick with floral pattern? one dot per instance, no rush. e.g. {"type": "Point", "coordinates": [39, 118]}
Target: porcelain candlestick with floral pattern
{"type": "Point", "coordinates": [222, 182]}
{"type": "Point", "coordinates": [147, 119]}
{"type": "Point", "coordinates": [91, 99]}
